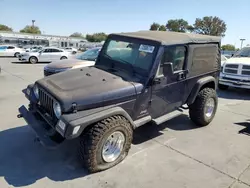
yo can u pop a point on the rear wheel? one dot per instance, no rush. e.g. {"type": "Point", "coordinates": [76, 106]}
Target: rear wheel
{"type": "Point", "coordinates": [223, 87]}
{"type": "Point", "coordinates": [106, 143]}
{"type": "Point", "coordinates": [33, 60]}
{"type": "Point", "coordinates": [63, 57]}
{"type": "Point", "coordinates": [16, 54]}
{"type": "Point", "coordinates": [203, 110]}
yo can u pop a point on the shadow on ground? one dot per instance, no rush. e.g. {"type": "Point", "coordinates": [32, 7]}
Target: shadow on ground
{"type": "Point", "coordinates": [23, 161]}
{"type": "Point", "coordinates": [234, 93]}
{"type": "Point", "coordinates": [22, 62]}
{"type": "Point", "coordinates": [246, 129]}
{"type": "Point", "coordinates": [151, 131]}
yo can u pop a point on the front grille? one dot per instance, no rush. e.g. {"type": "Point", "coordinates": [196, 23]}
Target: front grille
{"type": "Point", "coordinates": [233, 66]}
{"type": "Point", "coordinates": [231, 71]}
{"type": "Point", "coordinates": [46, 103]}
{"type": "Point", "coordinates": [246, 73]}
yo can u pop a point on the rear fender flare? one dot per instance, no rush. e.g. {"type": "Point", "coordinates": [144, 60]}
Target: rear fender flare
{"type": "Point", "coordinates": [197, 87]}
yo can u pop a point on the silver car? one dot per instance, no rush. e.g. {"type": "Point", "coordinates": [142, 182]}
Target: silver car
{"type": "Point", "coordinates": [45, 55]}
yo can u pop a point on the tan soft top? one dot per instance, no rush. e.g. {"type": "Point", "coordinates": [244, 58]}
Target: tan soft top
{"type": "Point", "coordinates": [169, 38]}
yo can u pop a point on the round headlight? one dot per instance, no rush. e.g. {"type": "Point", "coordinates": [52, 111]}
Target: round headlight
{"type": "Point", "coordinates": [36, 91]}
{"type": "Point", "coordinates": [57, 109]}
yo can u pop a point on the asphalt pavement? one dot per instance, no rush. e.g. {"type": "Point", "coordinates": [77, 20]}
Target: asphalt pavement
{"type": "Point", "coordinates": [176, 154]}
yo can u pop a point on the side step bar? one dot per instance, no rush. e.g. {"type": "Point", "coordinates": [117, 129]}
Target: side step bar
{"type": "Point", "coordinates": [167, 117]}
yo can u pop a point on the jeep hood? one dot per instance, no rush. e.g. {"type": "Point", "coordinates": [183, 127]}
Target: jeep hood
{"type": "Point", "coordinates": [239, 60]}
{"type": "Point", "coordinates": [89, 87]}
{"type": "Point", "coordinates": [69, 63]}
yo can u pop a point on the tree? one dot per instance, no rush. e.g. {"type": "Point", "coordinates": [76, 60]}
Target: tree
{"type": "Point", "coordinates": [162, 28]}
{"type": "Point", "coordinates": [76, 34]}
{"type": "Point", "coordinates": [5, 28]}
{"type": "Point", "coordinates": [177, 25]}
{"type": "Point", "coordinates": [154, 27]}
{"type": "Point", "coordinates": [210, 25]}
{"type": "Point", "coordinates": [31, 29]}
{"type": "Point", "coordinates": [228, 47]}
{"type": "Point", "coordinates": [96, 37]}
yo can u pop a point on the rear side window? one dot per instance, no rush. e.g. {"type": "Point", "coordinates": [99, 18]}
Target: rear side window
{"type": "Point", "coordinates": [11, 47]}
{"type": "Point", "coordinates": [55, 50]}
{"type": "Point", "coordinates": [205, 58]}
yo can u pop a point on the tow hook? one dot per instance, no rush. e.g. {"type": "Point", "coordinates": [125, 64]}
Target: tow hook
{"type": "Point", "coordinates": [19, 116]}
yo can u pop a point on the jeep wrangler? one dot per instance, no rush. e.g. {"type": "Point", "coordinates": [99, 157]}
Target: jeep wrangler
{"type": "Point", "coordinates": [139, 77]}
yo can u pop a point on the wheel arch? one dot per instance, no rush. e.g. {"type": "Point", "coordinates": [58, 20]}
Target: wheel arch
{"type": "Point", "coordinates": [86, 121]}
{"type": "Point", "coordinates": [205, 82]}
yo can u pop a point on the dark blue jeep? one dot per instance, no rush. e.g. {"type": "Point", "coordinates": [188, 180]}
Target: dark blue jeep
{"type": "Point", "coordinates": [139, 77]}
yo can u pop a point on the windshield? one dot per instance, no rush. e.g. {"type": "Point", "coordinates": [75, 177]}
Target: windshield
{"type": "Point", "coordinates": [90, 55]}
{"type": "Point", "coordinates": [244, 52]}
{"type": "Point", "coordinates": [137, 55]}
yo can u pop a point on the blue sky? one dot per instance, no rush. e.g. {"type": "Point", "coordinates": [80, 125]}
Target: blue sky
{"type": "Point", "coordinates": [63, 17]}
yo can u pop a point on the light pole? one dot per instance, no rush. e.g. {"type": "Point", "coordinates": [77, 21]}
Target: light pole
{"type": "Point", "coordinates": [242, 40]}
{"type": "Point", "coordinates": [33, 23]}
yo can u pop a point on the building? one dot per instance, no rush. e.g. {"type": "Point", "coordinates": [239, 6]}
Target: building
{"type": "Point", "coordinates": [26, 39]}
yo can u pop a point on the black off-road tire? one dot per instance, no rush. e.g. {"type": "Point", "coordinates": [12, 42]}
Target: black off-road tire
{"type": "Point", "coordinates": [223, 87]}
{"type": "Point", "coordinates": [197, 109]}
{"type": "Point", "coordinates": [92, 141]}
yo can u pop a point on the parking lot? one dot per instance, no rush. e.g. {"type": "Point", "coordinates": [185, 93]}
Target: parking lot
{"type": "Point", "coordinates": [175, 154]}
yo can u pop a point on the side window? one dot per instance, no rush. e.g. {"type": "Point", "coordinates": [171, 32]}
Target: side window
{"type": "Point", "coordinates": [11, 47]}
{"type": "Point", "coordinates": [55, 50]}
{"type": "Point", "coordinates": [46, 51]}
{"type": "Point", "coordinates": [175, 55]}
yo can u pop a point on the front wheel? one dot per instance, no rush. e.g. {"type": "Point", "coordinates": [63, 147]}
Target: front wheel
{"type": "Point", "coordinates": [33, 60]}
{"type": "Point", "coordinates": [106, 143]}
{"type": "Point", "coordinates": [203, 110]}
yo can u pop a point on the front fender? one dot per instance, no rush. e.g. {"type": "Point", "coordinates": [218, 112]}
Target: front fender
{"type": "Point", "coordinates": [84, 119]}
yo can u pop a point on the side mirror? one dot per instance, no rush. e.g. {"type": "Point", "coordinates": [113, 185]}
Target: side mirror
{"type": "Point", "coordinates": [168, 69]}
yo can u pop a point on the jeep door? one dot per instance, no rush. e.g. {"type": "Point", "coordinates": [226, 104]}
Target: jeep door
{"type": "Point", "coordinates": [168, 90]}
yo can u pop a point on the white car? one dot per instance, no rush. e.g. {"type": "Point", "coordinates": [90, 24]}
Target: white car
{"type": "Point", "coordinates": [44, 55]}
{"type": "Point", "coordinates": [235, 71]}
{"type": "Point", "coordinates": [71, 50]}
{"type": "Point", "coordinates": [10, 51]}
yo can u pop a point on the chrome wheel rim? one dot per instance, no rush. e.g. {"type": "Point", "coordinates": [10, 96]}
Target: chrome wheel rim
{"type": "Point", "coordinates": [209, 107]}
{"type": "Point", "coordinates": [33, 60]}
{"type": "Point", "coordinates": [113, 146]}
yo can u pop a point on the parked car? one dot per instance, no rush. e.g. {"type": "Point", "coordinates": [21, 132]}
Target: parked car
{"type": "Point", "coordinates": [34, 48]}
{"type": "Point", "coordinates": [236, 71]}
{"type": "Point", "coordinates": [85, 59]}
{"type": "Point", "coordinates": [139, 77]}
{"type": "Point", "coordinates": [71, 50]}
{"type": "Point", "coordinates": [44, 55]}
{"type": "Point", "coordinates": [10, 51]}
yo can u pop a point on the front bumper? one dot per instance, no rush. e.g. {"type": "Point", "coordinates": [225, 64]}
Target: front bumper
{"type": "Point", "coordinates": [40, 122]}
{"type": "Point", "coordinates": [39, 130]}
{"type": "Point", "coordinates": [234, 81]}
{"type": "Point", "coordinates": [22, 58]}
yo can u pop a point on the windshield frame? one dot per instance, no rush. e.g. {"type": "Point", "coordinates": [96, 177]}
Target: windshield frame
{"type": "Point", "coordinates": [105, 62]}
